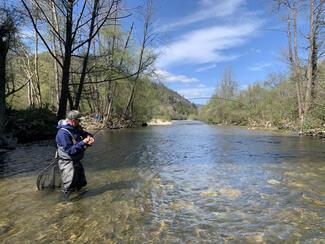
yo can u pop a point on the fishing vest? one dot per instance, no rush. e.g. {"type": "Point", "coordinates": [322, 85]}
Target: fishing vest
{"type": "Point", "coordinates": [64, 155]}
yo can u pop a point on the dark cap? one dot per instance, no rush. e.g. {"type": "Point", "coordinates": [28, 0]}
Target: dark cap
{"type": "Point", "coordinates": [73, 114]}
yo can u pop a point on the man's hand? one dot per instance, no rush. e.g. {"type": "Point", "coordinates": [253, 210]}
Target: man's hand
{"type": "Point", "coordinates": [89, 140]}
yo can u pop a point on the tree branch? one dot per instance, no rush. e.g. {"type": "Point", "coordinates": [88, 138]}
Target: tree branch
{"type": "Point", "coordinates": [50, 22]}
{"type": "Point", "coordinates": [40, 35]}
{"type": "Point", "coordinates": [18, 89]}
{"type": "Point", "coordinates": [103, 20]}
{"type": "Point", "coordinates": [74, 33]}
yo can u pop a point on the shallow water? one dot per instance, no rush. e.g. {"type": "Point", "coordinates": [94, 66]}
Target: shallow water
{"type": "Point", "coordinates": [188, 182]}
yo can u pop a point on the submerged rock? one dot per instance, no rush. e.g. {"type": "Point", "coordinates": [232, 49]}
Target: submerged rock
{"type": "Point", "coordinates": [273, 182]}
{"type": "Point", "coordinates": [313, 200]}
{"type": "Point", "coordinates": [230, 193]}
{"type": "Point", "coordinates": [5, 226]}
{"type": "Point", "coordinates": [255, 238]}
{"type": "Point", "coordinates": [209, 194]}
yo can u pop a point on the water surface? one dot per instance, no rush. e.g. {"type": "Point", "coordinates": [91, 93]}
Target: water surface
{"type": "Point", "coordinates": [189, 182]}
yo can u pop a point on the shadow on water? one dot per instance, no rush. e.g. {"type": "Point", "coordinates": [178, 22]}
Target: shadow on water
{"type": "Point", "coordinates": [88, 193]}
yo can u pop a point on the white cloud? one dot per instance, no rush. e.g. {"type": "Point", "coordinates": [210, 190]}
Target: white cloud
{"type": "Point", "coordinates": [259, 67]}
{"type": "Point", "coordinates": [167, 77]}
{"type": "Point", "coordinates": [201, 86]}
{"type": "Point", "coordinates": [203, 92]}
{"type": "Point", "coordinates": [204, 68]}
{"type": "Point", "coordinates": [206, 45]}
{"type": "Point", "coordinates": [210, 9]}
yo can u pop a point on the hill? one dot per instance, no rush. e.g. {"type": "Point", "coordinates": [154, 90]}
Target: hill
{"type": "Point", "coordinates": [172, 105]}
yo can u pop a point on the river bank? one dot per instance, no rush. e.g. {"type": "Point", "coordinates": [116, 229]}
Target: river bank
{"type": "Point", "coordinates": [24, 126]}
{"type": "Point", "coordinates": [288, 129]}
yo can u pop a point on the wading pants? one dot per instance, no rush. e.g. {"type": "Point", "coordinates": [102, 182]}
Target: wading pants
{"type": "Point", "coordinates": [72, 175]}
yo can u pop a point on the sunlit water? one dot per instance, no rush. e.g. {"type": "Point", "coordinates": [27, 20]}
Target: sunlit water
{"type": "Point", "coordinates": [188, 182]}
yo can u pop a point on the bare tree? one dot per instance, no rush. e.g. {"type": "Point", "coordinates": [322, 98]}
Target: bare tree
{"type": "Point", "coordinates": [94, 14]}
{"type": "Point", "coordinates": [305, 86]}
{"type": "Point", "coordinates": [227, 87]}
{"type": "Point", "coordinates": [143, 62]}
{"type": "Point", "coordinates": [73, 40]}
{"type": "Point", "coordinates": [36, 61]}
{"type": "Point", "coordinates": [316, 19]}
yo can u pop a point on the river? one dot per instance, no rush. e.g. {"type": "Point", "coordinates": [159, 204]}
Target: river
{"type": "Point", "coordinates": [188, 182]}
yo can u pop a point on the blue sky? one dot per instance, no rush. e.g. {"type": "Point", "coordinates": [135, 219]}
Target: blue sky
{"type": "Point", "coordinates": [199, 39]}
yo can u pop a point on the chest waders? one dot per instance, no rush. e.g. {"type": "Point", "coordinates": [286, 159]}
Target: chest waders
{"type": "Point", "coordinates": [72, 172]}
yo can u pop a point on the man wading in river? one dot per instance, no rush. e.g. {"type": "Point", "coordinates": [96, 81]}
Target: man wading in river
{"type": "Point", "coordinates": [72, 141]}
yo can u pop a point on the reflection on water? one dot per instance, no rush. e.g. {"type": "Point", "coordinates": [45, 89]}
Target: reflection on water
{"type": "Point", "coordinates": [188, 182]}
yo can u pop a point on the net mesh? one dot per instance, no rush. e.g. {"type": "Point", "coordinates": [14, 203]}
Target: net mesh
{"type": "Point", "coordinates": [49, 177]}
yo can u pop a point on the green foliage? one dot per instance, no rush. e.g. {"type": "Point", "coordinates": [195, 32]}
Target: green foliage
{"type": "Point", "coordinates": [261, 104]}
{"type": "Point", "coordinates": [109, 69]}
{"type": "Point", "coordinates": [144, 102]}
{"type": "Point", "coordinates": [171, 104]}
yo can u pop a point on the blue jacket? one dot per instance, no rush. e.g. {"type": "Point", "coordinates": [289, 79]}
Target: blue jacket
{"type": "Point", "coordinates": [70, 148]}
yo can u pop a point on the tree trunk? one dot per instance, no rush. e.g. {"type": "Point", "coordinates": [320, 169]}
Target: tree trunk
{"type": "Point", "coordinates": [127, 108]}
{"type": "Point", "coordinates": [66, 63]}
{"type": "Point", "coordinates": [30, 94]}
{"type": "Point", "coordinates": [3, 55]}
{"type": "Point", "coordinates": [57, 50]}
{"type": "Point", "coordinates": [36, 64]}
{"type": "Point", "coordinates": [310, 66]}
{"type": "Point", "coordinates": [297, 73]}
{"type": "Point", "coordinates": [85, 61]}
{"type": "Point", "coordinates": [289, 41]}
{"type": "Point", "coordinates": [147, 22]}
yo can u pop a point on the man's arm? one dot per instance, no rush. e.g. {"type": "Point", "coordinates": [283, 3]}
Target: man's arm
{"type": "Point", "coordinates": [64, 140]}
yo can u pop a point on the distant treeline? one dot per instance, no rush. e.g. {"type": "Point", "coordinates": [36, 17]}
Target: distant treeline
{"type": "Point", "coordinates": [269, 103]}
{"type": "Point", "coordinates": [293, 100]}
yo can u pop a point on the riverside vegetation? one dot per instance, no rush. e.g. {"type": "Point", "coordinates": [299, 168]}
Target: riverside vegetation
{"type": "Point", "coordinates": [269, 104]}
{"type": "Point", "coordinates": [88, 62]}
{"type": "Point", "coordinates": [87, 57]}
{"type": "Point", "coordinates": [293, 100]}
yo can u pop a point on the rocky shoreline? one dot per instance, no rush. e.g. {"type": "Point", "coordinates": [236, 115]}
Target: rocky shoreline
{"type": "Point", "coordinates": [160, 122]}
{"type": "Point", "coordinates": [316, 132]}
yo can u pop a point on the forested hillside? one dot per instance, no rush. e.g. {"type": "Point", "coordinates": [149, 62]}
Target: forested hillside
{"type": "Point", "coordinates": [172, 105]}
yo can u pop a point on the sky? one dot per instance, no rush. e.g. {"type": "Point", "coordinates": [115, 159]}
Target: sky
{"type": "Point", "coordinates": [199, 39]}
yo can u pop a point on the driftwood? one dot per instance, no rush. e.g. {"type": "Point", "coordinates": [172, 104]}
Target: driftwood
{"type": "Point", "coordinates": [90, 122]}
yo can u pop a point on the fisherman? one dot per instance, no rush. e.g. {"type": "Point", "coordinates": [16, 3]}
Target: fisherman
{"type": "Point", "coordinates": [72, 141]}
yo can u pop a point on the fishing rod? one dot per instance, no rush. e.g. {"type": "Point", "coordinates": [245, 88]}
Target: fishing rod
{"type": "Point", "coordinates": [97, 130]}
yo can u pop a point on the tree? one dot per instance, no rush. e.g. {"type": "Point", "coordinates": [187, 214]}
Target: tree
{"type": "Point", "coordinates": [143, 62]}
{"type": "Point", "coordinates": [305, 86]}
{"type": "Point", "coordinates": [73, 39]}
{"type": "Point", "coordinates": [316, 21]}
{"type": "Point", "coordinates": [292, 8]}
{"type": "Point", "coordinates": [10, 19]}
{"type": "Point", "coordinates": [227, 86]}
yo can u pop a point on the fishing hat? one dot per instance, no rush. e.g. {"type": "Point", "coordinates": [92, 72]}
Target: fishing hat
{"type": "Point", "coordinates": [73, 114]}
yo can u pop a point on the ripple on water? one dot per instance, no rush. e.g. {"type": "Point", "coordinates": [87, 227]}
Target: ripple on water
{"type": "Point", "coordinates": [185, 183]}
